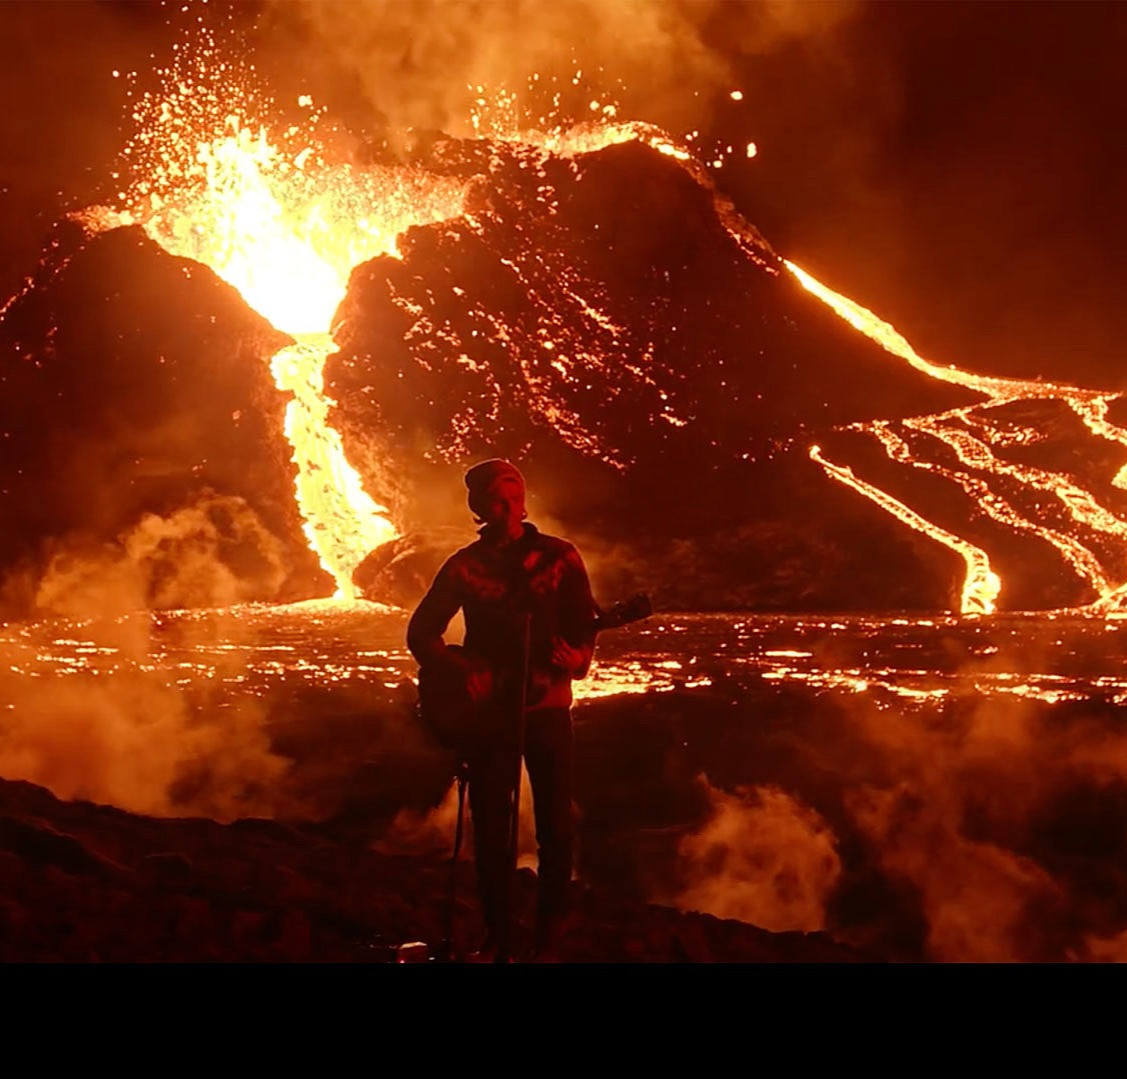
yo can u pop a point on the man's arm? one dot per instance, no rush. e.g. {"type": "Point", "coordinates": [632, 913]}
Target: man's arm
{"type": "Point", "coordinates": [432, 616]}
{"type": "Point", "coordinates": [578, 612]}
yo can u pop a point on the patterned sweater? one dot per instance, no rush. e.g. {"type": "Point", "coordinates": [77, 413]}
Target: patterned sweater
{"type": "Point", "coordinates": [495, 585]}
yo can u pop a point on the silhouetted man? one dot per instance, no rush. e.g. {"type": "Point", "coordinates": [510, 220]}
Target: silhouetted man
{"type": "Point", "coordinates": [520, 591]}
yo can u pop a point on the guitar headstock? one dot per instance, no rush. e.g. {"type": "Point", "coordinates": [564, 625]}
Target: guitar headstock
{"type": "Point", "coordinates": [632, 609]}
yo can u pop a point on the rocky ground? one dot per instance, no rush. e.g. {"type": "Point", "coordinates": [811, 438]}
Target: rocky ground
{"type": "Point", "coordinates": [85, 883]}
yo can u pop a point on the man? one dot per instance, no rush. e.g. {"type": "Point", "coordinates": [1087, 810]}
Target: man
{"type": "Point", "coordinates": [530, 618]}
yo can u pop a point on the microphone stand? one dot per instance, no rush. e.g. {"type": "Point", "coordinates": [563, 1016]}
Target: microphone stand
{"type": "Point", "coordinates": [504, 948]}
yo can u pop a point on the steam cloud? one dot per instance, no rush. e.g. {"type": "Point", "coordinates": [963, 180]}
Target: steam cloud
{"type": "Point", "coordinates": [432, 831]}
{"type": "Point", "coordinates": [762, 857]}
{"type": "Point", "coordinates": [136, 741]}
{"type": "Point", "coordinates": [1001, 816]}
{"type": "Point", "coordinates": [211, 553]}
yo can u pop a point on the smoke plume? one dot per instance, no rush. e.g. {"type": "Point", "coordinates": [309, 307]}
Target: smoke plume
{"type": "Point", "coordinates": [212, 553]}
{"type": "Point", "coordinates": [414, 61]}
{"type": "Point", "coordinates": [137, 739]}
{"type": "Point", "coordinates": [762, 857]}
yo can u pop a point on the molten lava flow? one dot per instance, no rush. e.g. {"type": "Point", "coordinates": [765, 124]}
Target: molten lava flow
{"type": "Point", "coordinates": [1078, 557]}
{"type": "Point", "coordinates": [998, 389]}
{"type": "Point", "coordinates": [342, 523]}
{"type": "Point", "coordinates": [982, 584]}
{"type": "Point", "coordinates": [1093, 411]}
{"type": "Point", "coordinates": [978, 444]}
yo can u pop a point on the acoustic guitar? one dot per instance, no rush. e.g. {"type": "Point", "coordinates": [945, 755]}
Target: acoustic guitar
{"type": "Point", "coordinates": [445, 707]}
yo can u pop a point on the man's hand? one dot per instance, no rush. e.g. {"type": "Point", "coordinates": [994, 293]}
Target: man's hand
{"type": "Point", "coordinates": [479, 685]}
{"type": "Point", "coordinates": [567, 657]}
{"type": "Point", "coordinates": [471, 671]}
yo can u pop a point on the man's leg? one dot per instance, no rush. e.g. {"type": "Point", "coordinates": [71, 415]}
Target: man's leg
{"type": "Point", "coordinates": [490, 784]}
{"type": "Point", "coordinates": [549, 755]}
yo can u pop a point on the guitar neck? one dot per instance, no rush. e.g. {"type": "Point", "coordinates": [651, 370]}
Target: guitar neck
{"type": "Point", "coordinates": [622, 614]}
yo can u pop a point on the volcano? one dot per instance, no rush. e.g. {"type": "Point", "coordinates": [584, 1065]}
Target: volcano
{"type": "Point", "coordinates": [706, 421]}
{"type": "Point", "coordinates": [671, 387]}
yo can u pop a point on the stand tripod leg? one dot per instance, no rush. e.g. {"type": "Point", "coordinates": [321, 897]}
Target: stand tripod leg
{"type": "Point", "coordinates": [448, 926]}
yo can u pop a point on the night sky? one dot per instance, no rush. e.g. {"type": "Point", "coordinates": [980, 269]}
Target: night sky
{"type": "Point", "coordinates": [959, 168]}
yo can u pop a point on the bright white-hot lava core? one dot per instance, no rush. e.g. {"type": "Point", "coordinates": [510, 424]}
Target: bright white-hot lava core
{"type": "Point", "coordinates": [275, 218]}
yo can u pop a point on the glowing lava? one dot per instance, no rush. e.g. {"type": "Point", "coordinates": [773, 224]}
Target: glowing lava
{"type": "Point", "coordinates": [342, 522]}
{"type": "Point", "coordinates": [982, 584]}
{"type": "Point", "coordinates": [978, 445]}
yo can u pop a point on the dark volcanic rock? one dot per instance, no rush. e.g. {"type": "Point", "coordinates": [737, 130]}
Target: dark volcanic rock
{"type": "Point", "coordinates": [142, 432]}
{"type": "Point", "coordinates": [658, 375]}
{"type": "Point", "coordinates": [193, 890]}
{"type": "Point", "coordinates": [401, 570]}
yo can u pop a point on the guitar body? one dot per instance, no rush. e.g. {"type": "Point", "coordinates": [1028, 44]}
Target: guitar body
{"type": "Point", "coordinates": [445, 707]}
{"type": "Point", "coordinates": [458, 722]}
